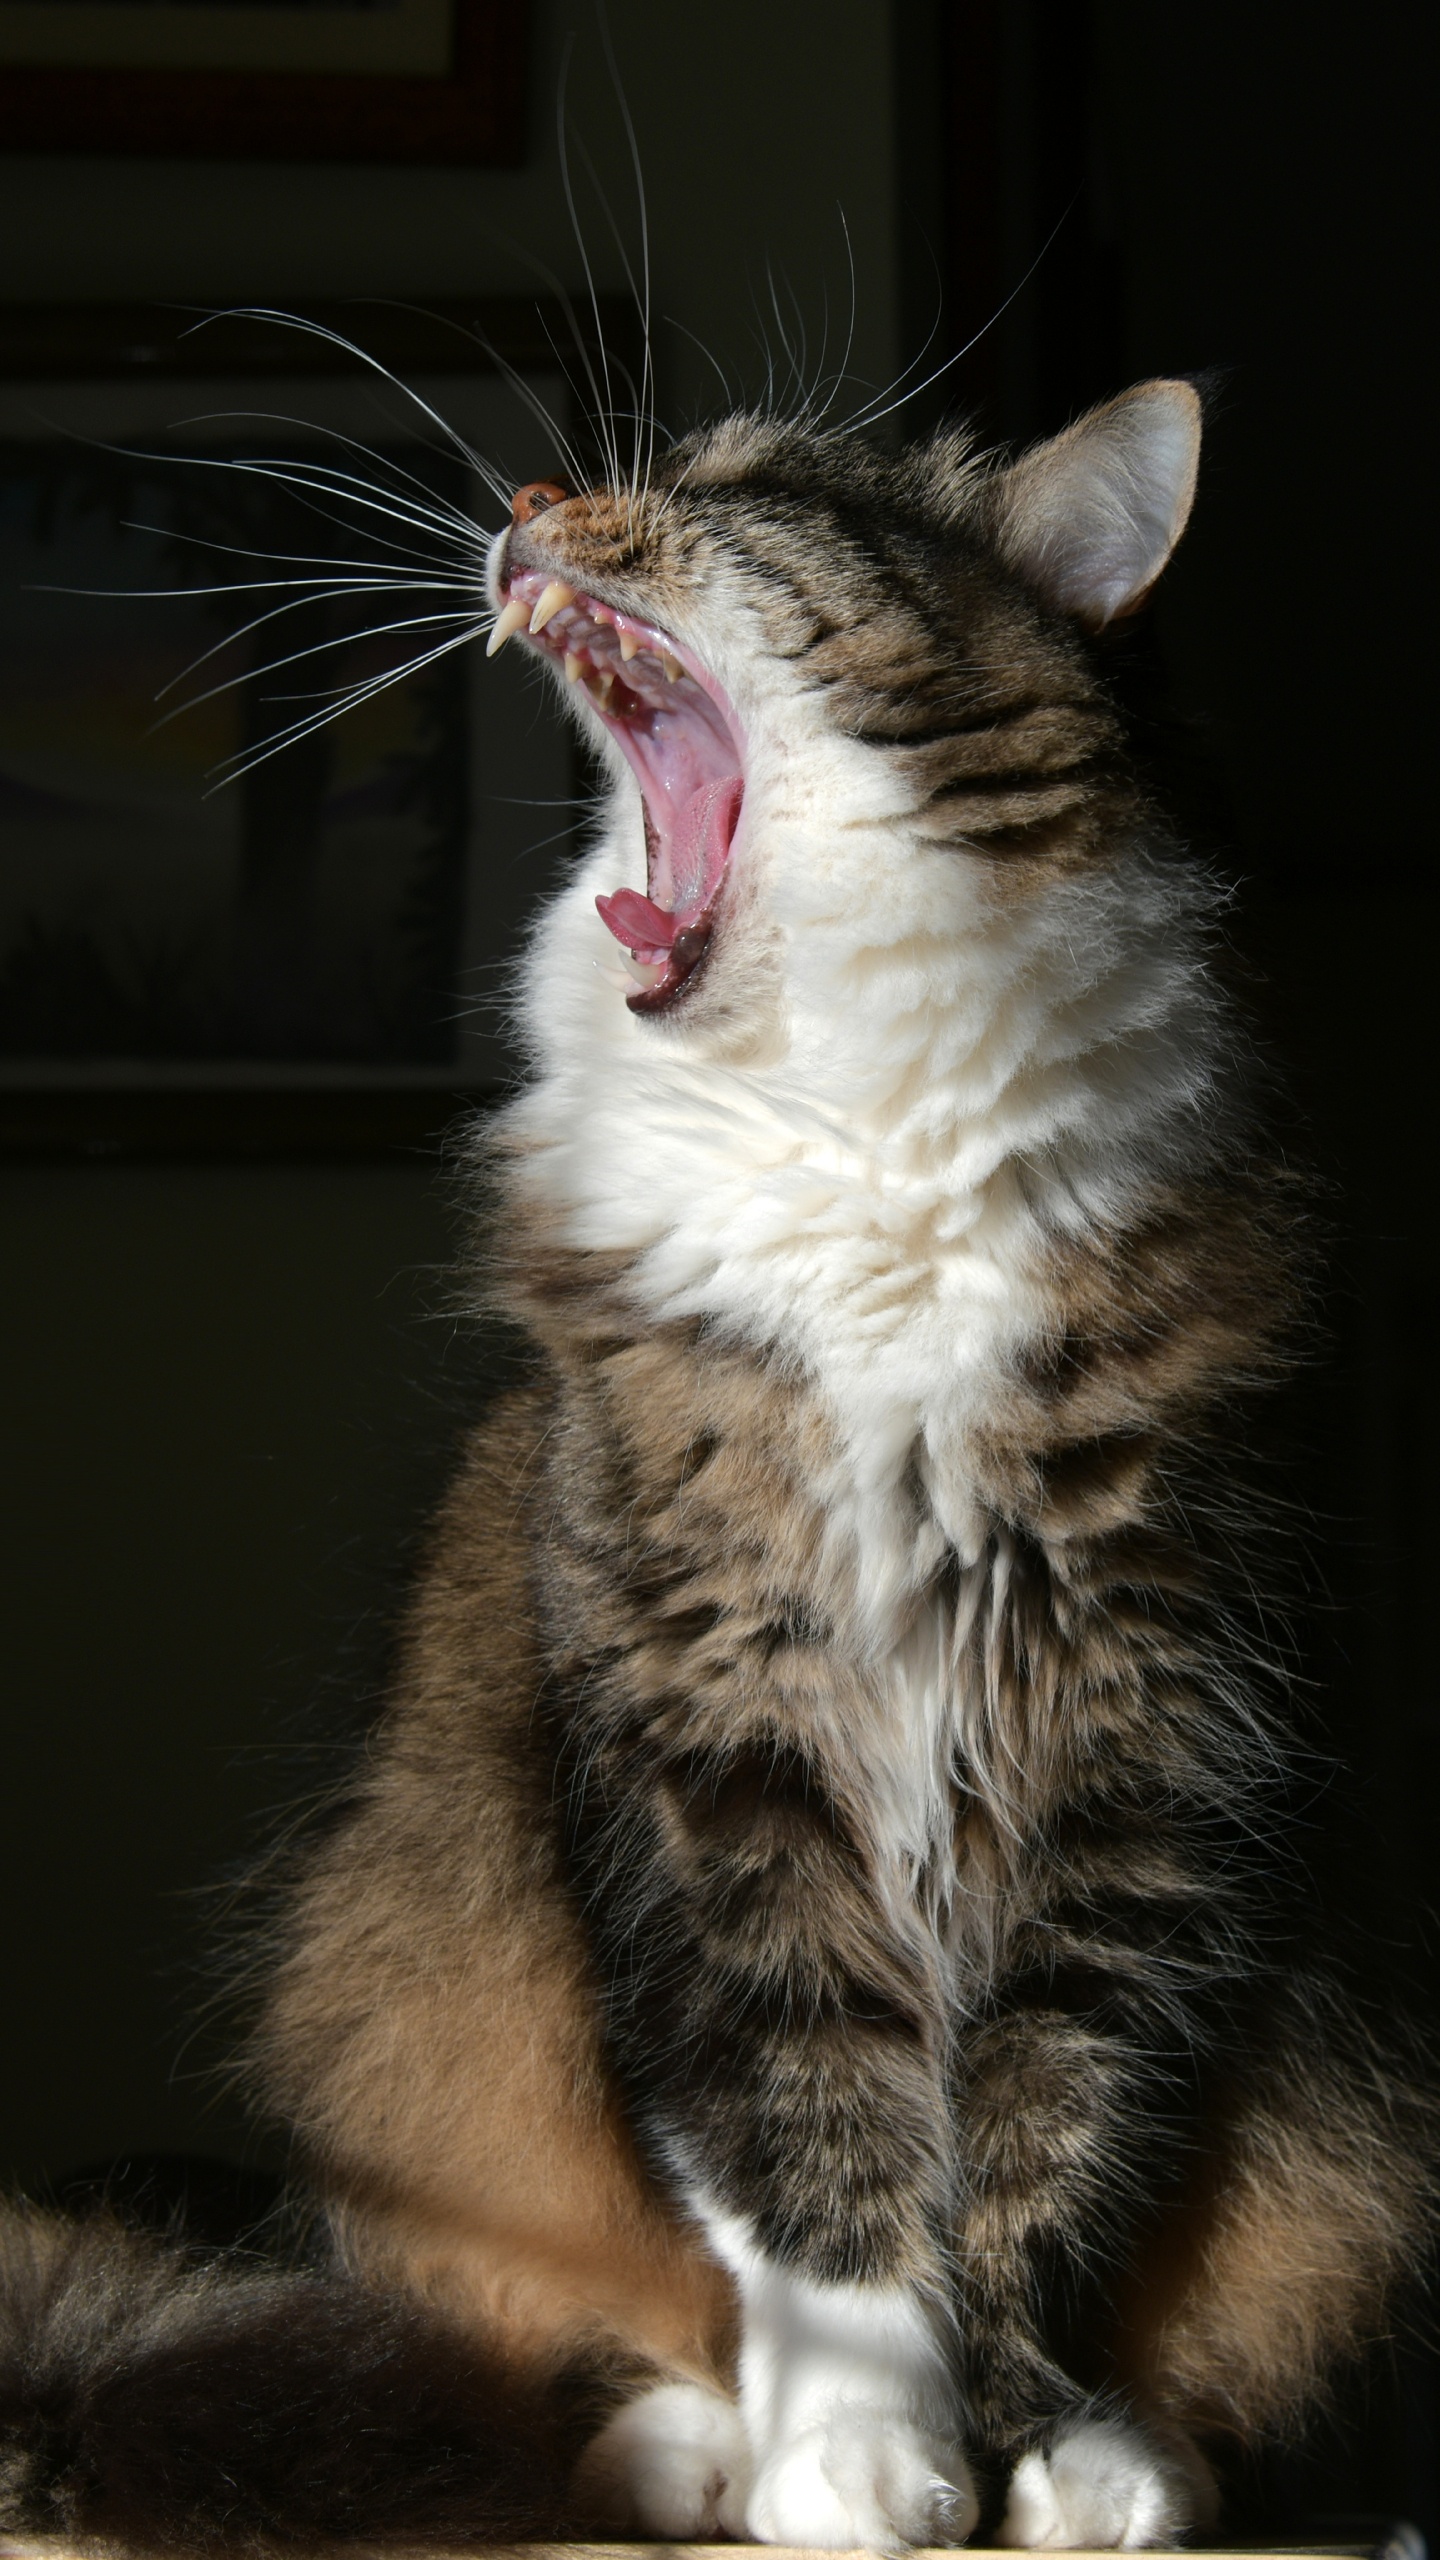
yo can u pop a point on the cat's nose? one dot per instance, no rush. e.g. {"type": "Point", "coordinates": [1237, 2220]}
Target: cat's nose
{"type": "Point", "coordinates": [535, 497]}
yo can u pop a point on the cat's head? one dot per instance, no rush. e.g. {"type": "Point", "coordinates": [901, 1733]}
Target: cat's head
{"type": "Point", "coordinates": [817, 672]}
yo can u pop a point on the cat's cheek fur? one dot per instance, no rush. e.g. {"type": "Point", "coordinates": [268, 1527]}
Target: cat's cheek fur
{"type": "Point", "coordinates": [848, 2407]}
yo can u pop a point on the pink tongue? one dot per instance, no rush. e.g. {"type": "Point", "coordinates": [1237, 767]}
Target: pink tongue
{"type": "Point", "coordinates": [633, 919]}
{"type": "Point", "coordinates": [699, 840]}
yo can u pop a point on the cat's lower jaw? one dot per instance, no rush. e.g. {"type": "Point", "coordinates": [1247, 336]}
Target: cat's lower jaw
{"type": "Point", "coordinates": [1101, 2486]}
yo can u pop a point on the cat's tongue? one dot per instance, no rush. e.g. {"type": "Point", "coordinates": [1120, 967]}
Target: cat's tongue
{"type": "Point", "coordinates": [687, 857]}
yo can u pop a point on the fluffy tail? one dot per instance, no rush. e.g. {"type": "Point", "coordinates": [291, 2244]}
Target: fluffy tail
{"type": "Point", "coordinates": [149, 2400]}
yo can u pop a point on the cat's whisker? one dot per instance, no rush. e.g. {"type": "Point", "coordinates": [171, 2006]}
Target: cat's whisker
{"type": "Point", "coordinates": [233, 768]}
{"type": "Point", "coordinates": [243, 631]}
{"type": "Point", "coordinates": [369, 497]}
{"type": "Point", "coordinates": [333, 337]}
{"type": "Point", "coordinates": [602, 402]}
{"type": "Point", "coordinates": [312, 649]}
{"type": "Point", "coordinates": [564, 445]}
{"type": "Point", "coordinates": [645, 419]}
{"type": "Point", "coordinates": [842, 374]}
{"type": "Point", "coordinates": [636, 390]}
{"type": "Point", "coordinates": [870, 416]}
{"type": "Point", "coordinates": [229, 587]}
{"type": "Point", "coordinates": [428, 501]}
{"type": "Point", "coordinates": [707, 352]}
{"type": "Point", "coordinates": [402, 566]}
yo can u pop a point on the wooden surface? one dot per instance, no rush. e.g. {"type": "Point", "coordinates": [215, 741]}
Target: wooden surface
{"type": "Point", "coordinates": [1398, 2542]}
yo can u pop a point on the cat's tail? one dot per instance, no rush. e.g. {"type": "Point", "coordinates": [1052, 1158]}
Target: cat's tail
{"type": "Point", "coordinates": [148, 2399]}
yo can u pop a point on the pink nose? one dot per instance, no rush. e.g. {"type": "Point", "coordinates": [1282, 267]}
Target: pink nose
{"type": "Point", "coordinates": [535, 497]}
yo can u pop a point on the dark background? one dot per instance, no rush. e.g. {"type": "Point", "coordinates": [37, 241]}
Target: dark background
{"type": "Point", "coordinates": [232, 1387]}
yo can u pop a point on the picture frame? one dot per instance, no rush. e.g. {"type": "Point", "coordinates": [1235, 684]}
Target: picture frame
{"type": "Point", "coordinates": [443, 82]}
{"type": "Point", "coordinates": [142, 1007]}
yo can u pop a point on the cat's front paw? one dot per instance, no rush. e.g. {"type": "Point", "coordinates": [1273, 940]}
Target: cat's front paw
{"type": "Point", "coordinates": [1102, 2486]}
{"type": "Point", "coordinates": [675, 2463]}
{"type": "Point", "coordinates": [862, 2480]}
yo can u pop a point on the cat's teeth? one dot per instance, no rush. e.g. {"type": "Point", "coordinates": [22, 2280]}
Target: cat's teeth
{"type": "Point", "coordinates": [552, 600]}
{"type": "Point", "coordinates": [572, 663]}
{"type": "Point", "coordinates": [673, 668]}
{"type": "Point", "coordinates": [637, 980]}
{"type": "Point", "coordinates": [646, 974]}
{"type": "Point", "coordinates": [514, 618]}
{"type": "Point", "coordinates": [629, 645]}
{"type": "Point", "coordinates": [601, 683]}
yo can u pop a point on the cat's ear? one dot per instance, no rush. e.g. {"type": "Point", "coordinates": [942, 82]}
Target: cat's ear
{"type": "Point", "coordinates": [1091, 518]}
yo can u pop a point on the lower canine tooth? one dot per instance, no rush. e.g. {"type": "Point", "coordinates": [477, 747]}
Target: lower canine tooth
{"type": "Point", "coordinates": [629, 647]}
{"type": "Point", "coordinates": [673, 667]}
{"type": "Point", "coordinates": [572, 666]}
{"type": "Point", "coordinates": [552, 600]}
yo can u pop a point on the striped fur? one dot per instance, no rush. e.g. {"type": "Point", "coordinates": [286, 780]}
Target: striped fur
{"type": "Point", "coordinates": [804, 1974]}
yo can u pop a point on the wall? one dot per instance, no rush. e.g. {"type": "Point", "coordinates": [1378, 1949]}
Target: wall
{"type": "Point", "coordinates": [229, 1399]}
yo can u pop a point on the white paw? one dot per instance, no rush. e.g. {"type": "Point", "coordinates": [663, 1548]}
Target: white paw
{"type": "Point", "coordinates": [1103, 2486]}
{"type": "Point", "coordinates": [862, 2480]}
{"type": "Point", "coordinates": [674, 2463]}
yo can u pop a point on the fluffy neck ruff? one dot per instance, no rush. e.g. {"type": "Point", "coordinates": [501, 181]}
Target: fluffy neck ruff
{"type": "Point", "coordinates": [952, 1077]}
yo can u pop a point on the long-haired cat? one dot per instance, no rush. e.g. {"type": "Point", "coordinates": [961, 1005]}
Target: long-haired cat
{"type": "Point", "coordinates": [794, 2035]}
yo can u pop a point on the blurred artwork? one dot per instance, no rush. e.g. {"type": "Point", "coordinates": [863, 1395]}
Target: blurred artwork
{"type": "Point", "coordinates": [406, 38]}
{"type": "Point", "coordinates": [177, 885]}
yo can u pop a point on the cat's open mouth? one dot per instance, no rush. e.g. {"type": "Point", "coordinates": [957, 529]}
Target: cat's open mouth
{"type": "Point", "coordinates": [683, 742]}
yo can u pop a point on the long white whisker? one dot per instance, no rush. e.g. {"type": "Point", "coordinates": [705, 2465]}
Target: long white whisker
{"type": "Point", "coordinates": [707, 352]}
{"type": "Point", "coordinates": [637, 390]}
{"type": "Point", "coordinates": [332, 337]}
{"type": "Point", "coordinates": [870, 416]}
{"type": "Point", "coordinates": [314, 649]}
{"type": "Point", "coordinates": [354, 490]}
{"type": "Point", "coordinates": [290, 559]}
{"type": "Point", "coordinates": [823, 413]}
{"type": "Point", "coordinates": [245, 586]}
{"type": "Point", "coordinates": [647, 371]}
{"type": "Point", "coordinates": [477, 337]}
{"type": "Point", "coordinates": [232, 768]}
{"type": "Point", "coordinates": [297, 477]}
{"type": "Point", "coordinates": [804, 389]}
{"type": "Point", "coordinates": [428, 501]}
{"type": "Point", "coordinates": [257, 622]}
{"type": "Point", "coordinates": [582, 473]}
{"type": "Point", "coordinates": [319, 481]}
{"type": "Point", "coordinates": [265, 468]}
{"type": "Point", "coordinates": [795, 356]}
{"type": "Point", "coordinates": [604, 421]}
{"type": "Point", "coordinates": [564, 446]}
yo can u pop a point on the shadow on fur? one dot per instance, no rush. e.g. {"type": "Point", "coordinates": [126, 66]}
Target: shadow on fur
{"type": "Point", "coordinates": [149, 2398]}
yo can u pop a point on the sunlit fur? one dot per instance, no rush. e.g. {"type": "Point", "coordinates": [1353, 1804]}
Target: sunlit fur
{"type": "Point", "coordinates": [803, 1980]}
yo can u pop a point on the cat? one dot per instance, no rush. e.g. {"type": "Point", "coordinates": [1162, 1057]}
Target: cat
{"type": "Point", "coordinates": [794, 2035]}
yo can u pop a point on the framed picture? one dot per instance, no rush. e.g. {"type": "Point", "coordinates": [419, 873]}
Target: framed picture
{"type": "Point", "coordinates": [222, 909]}
{"type": "Point", "coordinates": [432, 80]}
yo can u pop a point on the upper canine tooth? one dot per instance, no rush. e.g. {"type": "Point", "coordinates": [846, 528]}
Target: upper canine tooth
{"type": "Point", "coordinates": [572, 666]}
{"type": "Point", "coordinates": [673, 667]}
{"type": "Point", "coordinates": [628, 644]}
{"type": "Point", "coordinates": [551, 601]}
{"type": "Point", "coordinates": [514, 618]}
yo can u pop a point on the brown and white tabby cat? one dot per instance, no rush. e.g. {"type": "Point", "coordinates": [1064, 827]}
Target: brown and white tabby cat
{"type": "Point", "coordinates": [795, 2013]}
